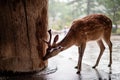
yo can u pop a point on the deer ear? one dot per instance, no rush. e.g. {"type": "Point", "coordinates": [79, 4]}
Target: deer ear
{"type": "Point", "coordinates": [56, 38]}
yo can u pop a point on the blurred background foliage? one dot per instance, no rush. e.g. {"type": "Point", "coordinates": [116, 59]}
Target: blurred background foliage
{"type": "Point", "coordinates": [63, 12]}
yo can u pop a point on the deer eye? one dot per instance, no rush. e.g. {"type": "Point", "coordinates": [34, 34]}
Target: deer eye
{"type": "Point", "coordinates": [59, 47]}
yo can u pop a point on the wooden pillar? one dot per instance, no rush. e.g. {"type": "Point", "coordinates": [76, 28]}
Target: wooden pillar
{"type": "Point", "coordinates": [22, 25]}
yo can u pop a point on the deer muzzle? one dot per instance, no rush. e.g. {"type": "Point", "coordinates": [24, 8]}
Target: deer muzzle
{"type": "Point", "coordinates": [44, 58]}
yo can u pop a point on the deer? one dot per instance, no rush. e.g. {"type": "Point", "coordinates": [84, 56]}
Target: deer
{"type": "Point", "coordinates": [94, 27]}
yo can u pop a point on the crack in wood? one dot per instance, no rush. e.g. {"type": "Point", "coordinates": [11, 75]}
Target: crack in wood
{"type": "Point", "coordinates": [25, 10]}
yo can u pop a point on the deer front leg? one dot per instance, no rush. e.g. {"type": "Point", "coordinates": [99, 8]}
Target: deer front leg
{"type": "Point", "coordinates": [81, 52]}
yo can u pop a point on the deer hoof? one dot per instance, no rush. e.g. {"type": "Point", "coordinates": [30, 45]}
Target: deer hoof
{"type": "Point", "coordinates": [94, 67]}
{"type": "Point", "coordinates": [76, 67]}
{"type": "Point", "coordinates": [78, 72]}
{"type": "Point", "coordinates": [109, 65]}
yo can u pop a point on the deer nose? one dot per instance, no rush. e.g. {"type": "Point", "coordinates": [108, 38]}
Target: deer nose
{"type": "Point", "coordinates": [44, 59]}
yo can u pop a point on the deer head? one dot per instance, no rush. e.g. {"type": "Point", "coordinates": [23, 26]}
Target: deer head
{"type": "Point", "coordinates": [53, 49]}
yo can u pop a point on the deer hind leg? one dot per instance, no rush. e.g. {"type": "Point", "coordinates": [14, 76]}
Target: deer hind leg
{"type": "Point", "coordinates": [102, 48]}
{"type": "Point", "coordinates": [81, 52]}
{"type": "Point", "coordinates": [109, 43]}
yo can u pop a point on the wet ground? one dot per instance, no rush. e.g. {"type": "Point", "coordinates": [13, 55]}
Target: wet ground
{"type": "Point", "coordinates": [61, 67]}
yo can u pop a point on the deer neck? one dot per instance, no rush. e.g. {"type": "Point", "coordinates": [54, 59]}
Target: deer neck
{"type": "Point", "coordinates": [66, 42]}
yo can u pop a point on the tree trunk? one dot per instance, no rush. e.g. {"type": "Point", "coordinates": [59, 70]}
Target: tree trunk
{"type": "Point", "coordinates": [22, 25]}
{"type": "Point", "coordinates": [88, 7]}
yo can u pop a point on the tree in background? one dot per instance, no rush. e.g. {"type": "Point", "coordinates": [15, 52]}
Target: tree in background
{"type": "Point", "coordinates": [62, 13]}
{"type": "Point", "coordinates": [65, 11]}
{"type": "Point", "coordinates": [108, 7]}
{"type": "Point", "coordinates": [59, 14]}
{"type": "Point", "coordinates": [85, 7]}
{"type": "Point", "coordinates": [112, 9]}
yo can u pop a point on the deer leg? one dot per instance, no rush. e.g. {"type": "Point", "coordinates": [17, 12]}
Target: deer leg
{"type": "Point", "coordinates": [110, 49]}
{"type": "Point", "coordinates": [102, 48]}
{"type": "Point", "coordinates": [81, 52]}
{"type": "Point", "coordinates": [109, 43]}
